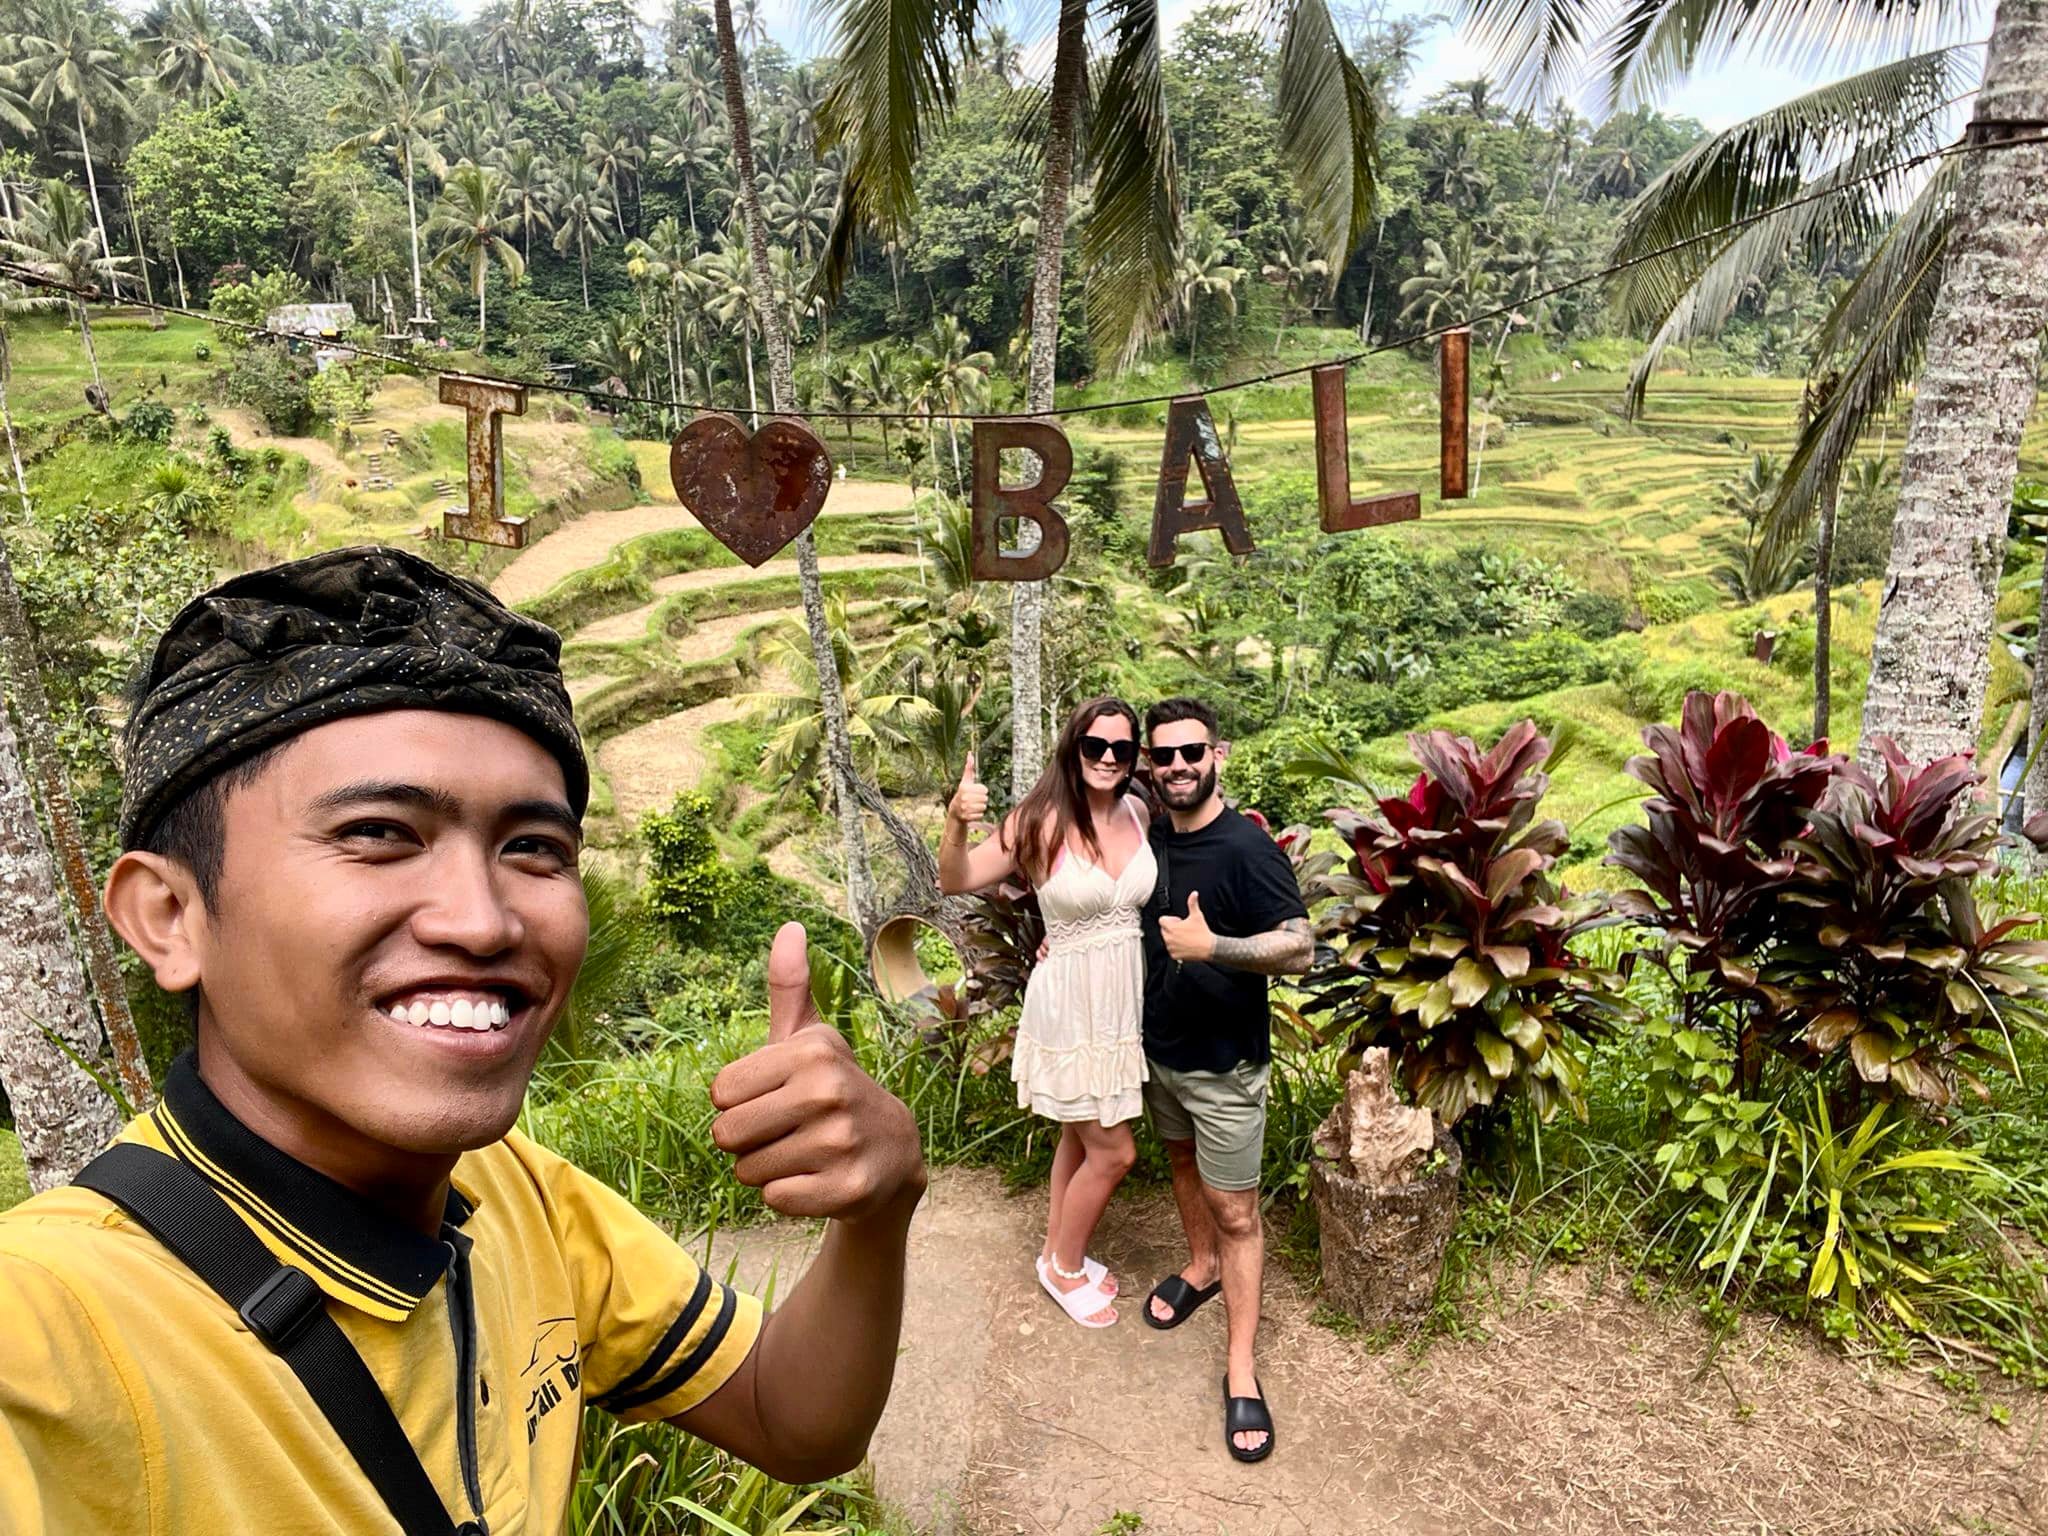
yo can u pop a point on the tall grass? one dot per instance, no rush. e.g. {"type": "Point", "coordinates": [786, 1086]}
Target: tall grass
{"type": "Point", "coordinates": [648, 1480]}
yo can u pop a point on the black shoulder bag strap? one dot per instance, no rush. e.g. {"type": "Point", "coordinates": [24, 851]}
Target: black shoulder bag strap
{"type": "Point", "coordinates": [283, 1308]}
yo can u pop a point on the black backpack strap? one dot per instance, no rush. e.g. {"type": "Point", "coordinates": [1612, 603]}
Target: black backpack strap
{"type": "Point", "coordinates": [283, 1308]}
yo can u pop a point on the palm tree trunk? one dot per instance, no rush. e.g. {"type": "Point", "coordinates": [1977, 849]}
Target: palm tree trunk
{"type": "Point", "coordinates": [61, 1114]}
{"type": "Point", "coordinates": [861, 905]}
{"type": "Point", "coordinates": [747, 349]}
{"type": "Point", "coordinates": [1027, 604]}
{"type": "Point", "coordinates": [1932, 655]}
{"type": "Point", "coordinates": [141, 256]}
{"type": "Point", "coordinates": [583, 265]}
{"type": "Point", "coordinates": [483, 282]}
{"type": "Point", "coordinates": [178, 266]}
{"type": "Point", "coordinates": [92, 354]}
{"type": "Point", "coordinates": [92, 183]}
{"type": "Point", "coordinates": [99, 970]}
{"type": "Point", "coordinates": [1823, 608]}
{"type": "Point", "coordinates": [412, 220]}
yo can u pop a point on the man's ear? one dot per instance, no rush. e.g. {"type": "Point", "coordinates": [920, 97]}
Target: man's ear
{"type": "Point", "coordinates": [1222, 751]}
{"type": "Point", "coordinates": [153, 903]}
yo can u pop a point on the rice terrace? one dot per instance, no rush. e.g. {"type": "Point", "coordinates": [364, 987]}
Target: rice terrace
{"type": "Point", "coordinates": [1577, 1002]}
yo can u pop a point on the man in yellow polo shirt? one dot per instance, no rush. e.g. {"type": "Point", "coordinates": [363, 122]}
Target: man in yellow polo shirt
{"type": "Point", "coordinates": [352, 809]}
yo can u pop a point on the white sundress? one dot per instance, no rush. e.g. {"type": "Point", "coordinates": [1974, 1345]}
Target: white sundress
{"type": "Point", "coordinates": [1080, 1051]}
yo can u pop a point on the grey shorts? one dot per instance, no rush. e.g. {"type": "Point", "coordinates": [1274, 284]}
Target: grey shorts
{"type": "Point", "coordinates": [1222, 1113]}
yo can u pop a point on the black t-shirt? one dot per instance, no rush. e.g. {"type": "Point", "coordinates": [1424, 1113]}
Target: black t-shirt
{"type": "Point", "coordinates": [1208, 1018]}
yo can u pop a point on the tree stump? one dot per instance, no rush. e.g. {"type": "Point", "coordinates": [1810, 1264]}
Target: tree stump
{"type": "Point", "coordinates": [1384, 1178]}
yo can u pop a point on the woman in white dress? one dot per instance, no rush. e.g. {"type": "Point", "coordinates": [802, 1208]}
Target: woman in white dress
{"type": "Point", "coordinates": [1080, 838]}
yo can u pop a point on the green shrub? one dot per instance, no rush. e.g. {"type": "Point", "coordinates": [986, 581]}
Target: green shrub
{"type": "Point", "coordinates": [1669, 604]}
{"type": "Point", "coordinates": [275, 385]}
{"type": "Point", "coordinates": [150, 422]}
{"type": "Point", "coordinates": [1596, 615]}
{"type": "Point", "coordinates": [688, 882]}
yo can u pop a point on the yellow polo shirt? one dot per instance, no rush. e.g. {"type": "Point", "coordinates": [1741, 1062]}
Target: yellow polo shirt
{"type": "Point", "coordinates": [132, 1399]}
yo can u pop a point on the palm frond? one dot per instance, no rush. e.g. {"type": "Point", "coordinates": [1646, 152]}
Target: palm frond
{"type": "Point", "coordinates": [1329, 129]}
{"type": "Point", "coordinates": [1625, 55]}
{"type": "Point", "coordinates": [894, 84]}
{"type": "Point", "coordinates": [1652, 44]}
{"type": "Point", "coordinates": [1538, 47]}
{"type": "Point", "coordinates": [1859, 125]}
{"type": "Point", "coordinates": [1133, 228]}
{"type": "Point", "coordinates": [1891, 303]}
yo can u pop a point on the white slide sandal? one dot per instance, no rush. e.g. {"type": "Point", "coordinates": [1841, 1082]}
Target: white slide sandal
{"type": "Point", "coordinates": [1079, 1305]}
{"type": "Point", "coordinates": [1094, 1269]}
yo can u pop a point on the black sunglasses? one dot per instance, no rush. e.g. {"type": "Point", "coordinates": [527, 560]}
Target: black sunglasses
{"type": "Point", "coordinates": [1191, 752]}
{"type": "Point", "coordinates": [1124, 753]}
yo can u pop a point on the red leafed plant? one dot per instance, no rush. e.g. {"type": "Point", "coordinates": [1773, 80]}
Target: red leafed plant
{"type": "Point", "coordinates": [1808, 906]}
{"type": "Point", "coordinates": [1882, 958]}
{"type": "Point", "coordinates": [1450, 938]}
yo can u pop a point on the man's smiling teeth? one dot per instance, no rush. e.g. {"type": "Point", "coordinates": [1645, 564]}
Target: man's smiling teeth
{"type": "Point", "coordinates": [453, 1011]}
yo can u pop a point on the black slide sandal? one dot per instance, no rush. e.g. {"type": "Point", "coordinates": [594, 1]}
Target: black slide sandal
{"type": "Point", "coordinates": [1183, 1298]}
{"type": "Point", "coordinates": [1246, 1416]}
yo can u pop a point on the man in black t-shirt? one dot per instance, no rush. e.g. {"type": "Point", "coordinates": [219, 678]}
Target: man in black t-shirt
{"type": "Point", "coordinates": [1227, 914]}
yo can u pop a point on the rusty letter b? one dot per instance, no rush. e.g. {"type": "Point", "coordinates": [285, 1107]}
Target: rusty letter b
{"type": "Point", "coordinates": [994, 501]}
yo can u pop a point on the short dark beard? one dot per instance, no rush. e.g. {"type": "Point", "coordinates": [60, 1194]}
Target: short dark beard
{"type": "Point", "coordinates": [1205, 786]}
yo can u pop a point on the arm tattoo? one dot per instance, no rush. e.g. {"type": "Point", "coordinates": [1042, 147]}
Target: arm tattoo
{"type": "Point", "coordinates": [1285, 951]}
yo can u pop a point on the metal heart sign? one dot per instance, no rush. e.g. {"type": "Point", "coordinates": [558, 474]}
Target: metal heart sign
{"type": "Point", "coordinates": [756, 491]}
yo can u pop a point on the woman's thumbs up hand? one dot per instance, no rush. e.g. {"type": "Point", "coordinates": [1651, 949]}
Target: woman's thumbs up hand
{"type": "Point", "coordinates": [970, 800]}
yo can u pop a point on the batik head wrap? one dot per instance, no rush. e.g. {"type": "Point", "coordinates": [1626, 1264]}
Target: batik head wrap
{"type": "Point", "coordinates": [275, 652]}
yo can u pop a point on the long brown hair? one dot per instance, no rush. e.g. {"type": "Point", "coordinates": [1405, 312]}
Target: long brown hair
{"type": "Point", "coordinates": [1058, 802]}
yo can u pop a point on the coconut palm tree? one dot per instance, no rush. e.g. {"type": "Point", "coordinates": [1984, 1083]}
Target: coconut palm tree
{"type": "Point", "coordinates": [616, 158]}
{"type": "Point", "coordinates": [196, 57]}
{"type": "Point", "coordinates": [691, 151]}
{"type": "Point", "coordinates": [878, 714]}
{"type": "Point", "coordinates": [725, 285]}
{"type": "Point", "coordinates": [52, 234]}
{"type": "Point", "coordinates": [846, 796]}
{"type": "Point", "coordinates": [958, 379]}
{"type": "Point", "coordinates": [529, 191]}
{"type": "Point", "coordinates": [898, 77]}
{"type": "Point", "coordinates": [397, 103]}
{"type": "Point", "coordinates": [471, 220]}
{"type": "Point", "coordinates": [1202, 270]}
{"type": "Point", "coordinates": [72, 54]}
{"type": "Point", "coordinates": [619, 353]}
{"type": "Point", "coordinates": [1454, 280]}
{"type": "Point", "coordinates": [581, 216]}
{"type": "Point", "coordinates": [878, 388]}
{"type": "Point", "coordinates": [1958, 278]}
{"type": "Point", "coordinates": [1295, 269]}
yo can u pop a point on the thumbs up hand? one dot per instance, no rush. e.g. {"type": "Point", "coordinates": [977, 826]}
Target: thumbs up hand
{"type": "Point", "coordinates": [1189, 938]}
{"type": "Point", "coordinates": [970, 800]}
{"type": "Point", "coordinates": [805, 1125]}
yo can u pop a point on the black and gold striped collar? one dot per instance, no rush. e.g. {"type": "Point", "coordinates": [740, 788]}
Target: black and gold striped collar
{"type": "Point", "coordinates": [354, 1251]}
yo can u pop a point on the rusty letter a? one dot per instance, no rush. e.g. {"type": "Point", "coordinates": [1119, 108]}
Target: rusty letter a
{"type": "Point", "coordinates": [1191, 432]}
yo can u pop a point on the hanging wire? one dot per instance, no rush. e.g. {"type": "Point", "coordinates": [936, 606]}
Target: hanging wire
{"type": "Point", "coordinates": [1973, 142]}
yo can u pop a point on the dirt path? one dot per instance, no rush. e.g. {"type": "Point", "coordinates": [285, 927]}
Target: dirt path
{"type": "Point", "coordinates": [593, 536]}
{"type": "Point", "coordinates": [1571, 1409]}
{"type": "Point", "coordinates": [632, 624]}
{"type": "Point", "coordinates": [246, 431]}
{"type": "Point", "coordinates": [652, 764]}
